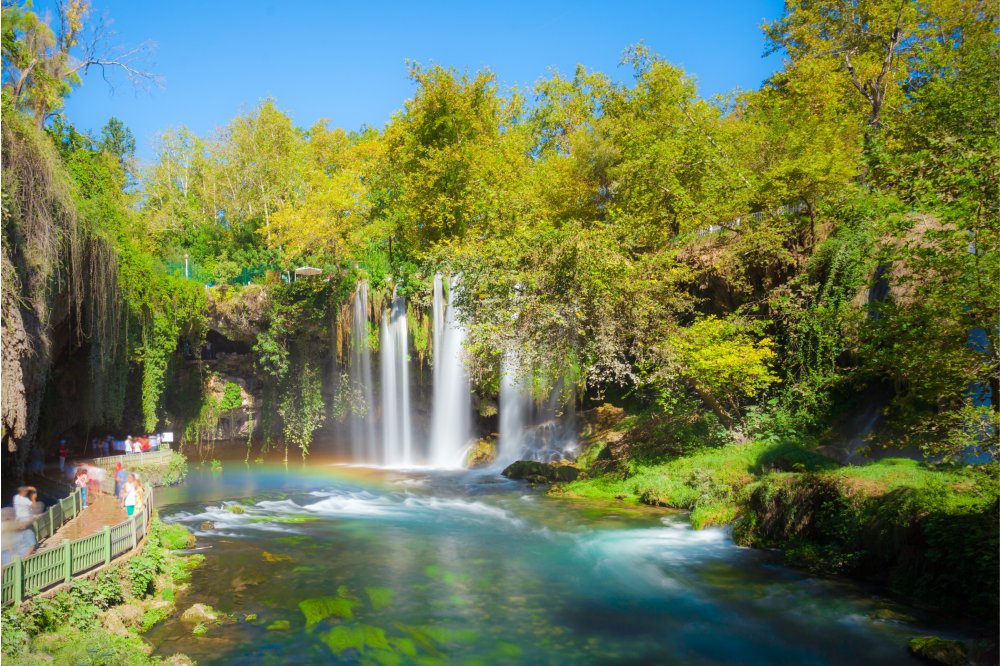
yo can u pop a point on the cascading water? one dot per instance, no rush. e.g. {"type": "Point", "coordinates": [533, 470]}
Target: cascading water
{"type": "Point", "coordinates": [397, 434]}
{"type": "Point", "coordinates": [529, 430]}
{"type": "Point", "coordinates": [514, 406]}
{"type": "Point", "coordinates": [363, 441]}
{"type": "Point", "coordinates": [452, 407]}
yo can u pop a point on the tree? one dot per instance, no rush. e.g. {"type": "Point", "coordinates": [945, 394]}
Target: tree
{"type": "Point", "coordinates": [118, 141]}
{"type": "Point", "coordinates": [330, 214]}
{"type": "Point", "coordinates": [41, 65]}
{"type": "Point", "coordinates": [859, 41]}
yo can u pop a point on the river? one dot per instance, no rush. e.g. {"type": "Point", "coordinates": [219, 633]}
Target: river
{"type": "Point", "coordinates": [359, 565]}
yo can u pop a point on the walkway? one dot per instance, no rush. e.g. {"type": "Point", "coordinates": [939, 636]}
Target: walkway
{"type": "Point", "coordinates": [102, 511]}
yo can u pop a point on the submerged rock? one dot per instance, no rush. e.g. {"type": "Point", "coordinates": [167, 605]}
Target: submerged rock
{"type": "Point", "coordinates": [940, 651]}
{"type": "Point", "coordinates": [200, 614]}
{"type": "Point", "coordinates": [539, 472]}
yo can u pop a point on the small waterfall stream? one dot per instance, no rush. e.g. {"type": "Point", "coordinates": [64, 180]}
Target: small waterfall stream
{"type": "Point", "coordinates": [530, 430]}
{"type": "Point", "coordinates": [363, 440]}
{"type": "Point", "coordinates": [515, 404]}
{"type": "Point", "coordinates": [397, 434]}
{"type": "Point", "coordinates": [452, 406]}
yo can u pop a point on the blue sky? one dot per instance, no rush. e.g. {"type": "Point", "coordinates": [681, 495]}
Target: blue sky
{"type": "Point", "coordinates": [346, 61]}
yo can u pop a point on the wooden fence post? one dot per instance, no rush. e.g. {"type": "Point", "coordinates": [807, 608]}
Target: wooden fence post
{"type": "Point", "coordinates": [107, 544]}
{"type": "Point", "coordinates": [52, 530]}
{"type": "Point", "coordinates": [132, 530]}
{"type": "Point", "coordinates": [18, 572]}
{"type": "Point", "coordinates": [68, 552]}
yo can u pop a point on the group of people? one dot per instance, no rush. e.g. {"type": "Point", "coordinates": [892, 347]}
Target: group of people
{"type": "Point", "coordinates": [129, 491]}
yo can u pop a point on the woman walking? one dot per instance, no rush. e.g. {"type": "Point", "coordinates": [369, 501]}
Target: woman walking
{"type": "Point", "coordinates": [131, 494]}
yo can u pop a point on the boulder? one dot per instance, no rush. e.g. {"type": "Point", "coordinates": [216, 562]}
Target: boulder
{"type": "Point", "coordinates": [539, 472]}
{"type": "Point", "coordinates": [200, 614]}
{"type": "Point", "coordinates": [482, 453]}
{"type": "Point", "coordinates": [940, 651]}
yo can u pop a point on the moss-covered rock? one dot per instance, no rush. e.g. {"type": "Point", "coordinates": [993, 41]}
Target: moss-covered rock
{"type": "Point", "coordinates": [176, 537]}
{"type": "Point", "coordinates": [940, 651]}
{"type": "Point", "coordinates": [200, 614]}
{"type": "Point", "coordinates": [482, 453]}
{"type": "Point", "coordinates": [541, 473]}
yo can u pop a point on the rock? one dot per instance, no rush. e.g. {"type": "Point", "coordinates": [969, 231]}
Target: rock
{"type": "Point", "coordinates": [112, 621]}
{"type": "Point", "coordinates": [178, 660]}
{"type": "Point", "coordinates": [205, 526]}
{"type": "Point", "coordinates": [200, 614]}
{"type": "Point", "coordinates": [130, 615]}
{"type": "Point", "coordinates": [482, 453]}
{"type": "Point", "coordinates": [940, 651]}
{"type": "Point", "coordinates": [539, 472]}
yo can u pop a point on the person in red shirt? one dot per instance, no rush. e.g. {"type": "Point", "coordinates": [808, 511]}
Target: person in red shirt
{"type": "Point", "coordinates": [63, 452]}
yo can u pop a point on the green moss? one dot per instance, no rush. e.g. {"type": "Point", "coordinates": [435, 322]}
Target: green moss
{"type": "Point", "coordinates": [451, 635]}
{"type": "Point", "coordinates": [344, 637]}
{"type": "Point", "coordinates": [153, 615]}
{"type": "Point", "coordinates": [236, 508]}
{"type": "Point", "coordinates": [279, 625]}
{"type": "Point", "coordinates": [199, 630]}
{"type": "Point", "coordinates": [176, 537]}
{"type": "Point", "coordinates": [508, 651]}
{"type": "Point", "coordinates": [318, 609]}
{"type": "Point", "coordinates": [380, 597]}
{"type": "Point", "coordinates": [940, 651]}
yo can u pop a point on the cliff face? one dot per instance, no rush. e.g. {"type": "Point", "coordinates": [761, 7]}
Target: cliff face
{"type": "Point", "coordinates": [41, 249]}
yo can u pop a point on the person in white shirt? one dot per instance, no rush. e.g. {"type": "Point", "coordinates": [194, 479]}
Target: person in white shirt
{"type": "Point", "coordinates": [23, 515]}
{"type": "Point", "coordinates": [130, 494]}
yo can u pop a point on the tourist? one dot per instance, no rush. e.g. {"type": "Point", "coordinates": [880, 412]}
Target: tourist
{"type": "Point", "coordinates": [96, 475]}
{"type": "Point", "coordinates": [23, 518]}
{"type": "Point", "coordinates": [130, 492]}
{"type": "Point", "coordinates": [128, 445]}
{"type": "Point", "coordinates": [81, 482]}
{"type": "Point", "coordinates": [63, 452]}
{"type": "Point", "coordinates": [22, 504]}
{"type": "Point", "coordinates": [140, 494]}
{"type": "Point", "coordinates": [120, 477]}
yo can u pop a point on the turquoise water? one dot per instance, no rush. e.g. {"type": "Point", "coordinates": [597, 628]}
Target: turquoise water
{"type": "Point", "coordinates": [383, 567]}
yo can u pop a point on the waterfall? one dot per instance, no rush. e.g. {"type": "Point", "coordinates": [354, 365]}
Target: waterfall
{"type": "Point", "coordinates": [533, 430]}
{"type": "Point", "coordinates": [363, 441]}
{"type": "Point", "coordinates": [514, 406]}
{"type": "Point", "coordinates": [397, 432]}
{"type": "Point", "coordinates": [452, 408]}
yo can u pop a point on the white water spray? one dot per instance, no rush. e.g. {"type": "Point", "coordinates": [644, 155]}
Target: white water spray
{"type": "Point", "coordinates": [515, 404]}
{"type": "Point", "coordinates": [363, 442]}
{"type": "Point", "coordinates": [397, 434]}
{"type": "Point", "coordinates": [452, 407]}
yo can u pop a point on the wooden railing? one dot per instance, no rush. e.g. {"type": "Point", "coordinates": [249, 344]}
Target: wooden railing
{"type": "Point", "coordinates": [57, 515]}
{"type": "Point", "coordinates": [55, 566]}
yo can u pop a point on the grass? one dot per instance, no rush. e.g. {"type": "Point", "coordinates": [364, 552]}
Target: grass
{"type": "Point", "coordinates": [706, 482]}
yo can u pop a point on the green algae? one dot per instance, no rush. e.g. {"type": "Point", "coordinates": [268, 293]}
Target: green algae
{"type": "Point", "coordinates": [279, 625]}
{"type": "Point", "coordinates": [380, 597]}
{"type": "Point", "coordinates": [292, 540]}
{"type": "Point", "coordinates": [358, 637]}
{"type": "Point", "coordinates": [318, 609]}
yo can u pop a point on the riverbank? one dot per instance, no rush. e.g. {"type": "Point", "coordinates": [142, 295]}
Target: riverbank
{"type": "Point", "coordinates": [101, 619]}
{"type": "Point", "coordinates": [928, 533]}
